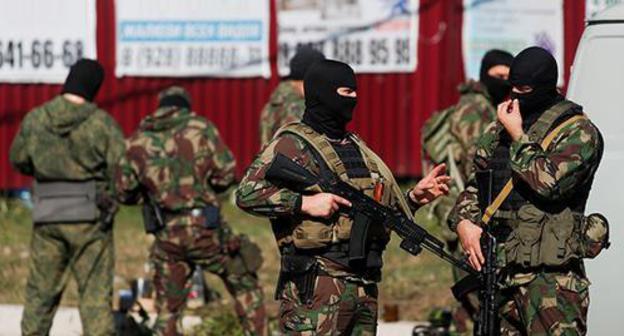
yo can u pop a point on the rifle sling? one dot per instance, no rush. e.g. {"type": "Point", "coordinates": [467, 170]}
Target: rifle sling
{"type": "Point", "coordinates": [506, 191]}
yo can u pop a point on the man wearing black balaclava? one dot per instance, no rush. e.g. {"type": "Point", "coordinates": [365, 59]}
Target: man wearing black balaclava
{"type": "Point", "coordinates": [286, 104]}
{"type": "Point", "coordinates": [313, 228]}
{"type": "Point", "coordinates": [466, 121]}
{"type": "Point", "coordinates": [69, 146]}
{"type": "Point", "coordinates": [543, 153]}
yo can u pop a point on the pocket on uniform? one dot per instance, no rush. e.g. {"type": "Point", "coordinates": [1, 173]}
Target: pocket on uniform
{"type": "Point", "coordinates": [522, 246]}
{"type": "Point", "coordinates": [557, 245]}
{"type": "Point", "coordinates": [312, 234]}
{"type": "Point", "coordinates": [318, 315]}
{"type": "Point", "coordinates": [293, 315]}
{"type": "Point", "coordinates": [574, 289]}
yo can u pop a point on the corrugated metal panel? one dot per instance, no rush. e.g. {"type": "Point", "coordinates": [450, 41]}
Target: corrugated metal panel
{"type": "Point", "coordinates": [390, 111]}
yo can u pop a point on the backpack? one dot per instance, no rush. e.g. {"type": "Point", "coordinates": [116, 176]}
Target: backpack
{"type": "Point", "coordinates": [437, 143]}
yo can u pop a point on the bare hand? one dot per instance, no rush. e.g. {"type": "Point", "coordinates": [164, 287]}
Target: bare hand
{"type": "Point", "coordinates": [432, 186]}
{"type": "Point", "coordinates": [470, 238]}
{"type": "Point", "coordinates": [512, 120]}
{"type": "Point", "coordinates": [322, 205]}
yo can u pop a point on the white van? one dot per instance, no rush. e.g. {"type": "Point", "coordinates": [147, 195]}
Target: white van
{"type": "Point", "coordinates": [597, 83]}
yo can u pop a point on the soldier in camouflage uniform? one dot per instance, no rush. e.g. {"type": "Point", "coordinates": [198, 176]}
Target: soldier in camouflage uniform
{"type": "Point", "coordinates": [467, 120]}
{"type": "Point", "coordinates": [286, 104]}
{"type": "Point", "coordinates": [545, 286]}
{"type": "Point", "coordinates": [176, 163]}
{"type": "Point", "coordinates": [70, 140]}
{"type": "Point", "coordinates": [322, 291]}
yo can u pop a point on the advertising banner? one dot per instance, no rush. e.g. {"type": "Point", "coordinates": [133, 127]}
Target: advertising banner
{"type": "Point", "coordinates": [373, 36]}
{"type": "Point", "coordinates": [40, 40]}
{"type": "Point", "coordinates": [512, 26]}
{"type": "Point", "coordinates": [182, 38]}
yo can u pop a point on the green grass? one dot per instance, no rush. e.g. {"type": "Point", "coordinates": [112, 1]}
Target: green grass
{"type": "Point", "coordinates": [415, 284]}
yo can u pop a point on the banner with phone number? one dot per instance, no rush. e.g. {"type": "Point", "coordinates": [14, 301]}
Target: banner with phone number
{"type": "Point", "coordinates": [374, 36]}
{"type": "Point", "coordinates": [511, 25]}
{"type": "Point", "coordinates": [179, 38]}
{"type": "Point", "coordinates": [40, 40]}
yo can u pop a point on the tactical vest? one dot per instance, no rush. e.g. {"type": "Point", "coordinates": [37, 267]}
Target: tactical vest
{"type": "Point", "coordinates": [311, 234]}
{"type": "Point", "coordinates": [542, 232]}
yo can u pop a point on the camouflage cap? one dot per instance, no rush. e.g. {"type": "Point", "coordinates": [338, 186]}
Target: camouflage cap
{"type": "Point", "coordinates": [174, 96]}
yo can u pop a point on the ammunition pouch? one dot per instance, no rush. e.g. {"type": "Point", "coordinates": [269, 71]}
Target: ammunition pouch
{"type": "Point", "coordinates": [312, 234]}
{"type": "Point", "coordinates": [153, 217]}
{"type": "Point", "coordinates": [108, 208]}
{"type": "Point", "coordinates": [545, 239]}
{"type": "Point", "coordinates": [302, 271]}
{"type": "Point", "coordinates": [594, 235]}
{"type": "Point", "coordinates": [246, 260]}
{"type": "Point", "coordinates": [212, 217]}
{"type": "Point", "coordinates": [65, 202]}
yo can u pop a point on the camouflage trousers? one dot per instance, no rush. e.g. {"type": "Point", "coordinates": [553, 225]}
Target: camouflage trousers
{"type": "Point", "coordinates": [551, 304]}
{"type": "Point", "coordinates": [58, 250]}
{"type": "Point", "coordinates": [175, 253]}
{"type": "Point", "coordinates": [465, 310]}
{"type": "Point", "coordinates": [338, 307]}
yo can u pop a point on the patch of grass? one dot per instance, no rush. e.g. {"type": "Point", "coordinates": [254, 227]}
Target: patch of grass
{"type": "Point", "coordinates": [415, 284]}
{"type": "Point", "coordinates": [218, 322]}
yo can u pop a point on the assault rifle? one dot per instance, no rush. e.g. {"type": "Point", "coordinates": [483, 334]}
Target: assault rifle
{"type": "Point", "coordinates": [365, 210]}
{"type": "Point", "coordinates": [487, 325]}
{"type": "Point", "coordinates": [486, 282]}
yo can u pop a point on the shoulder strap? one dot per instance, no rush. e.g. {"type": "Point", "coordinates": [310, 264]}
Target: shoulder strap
{"type": "Point", "coordinates": [323, 147]}
{"type": "Point", "coordinates": [504, 193]}
{"type": "Point", "coordinates": [318, 143]}
{"type": "Point", "coordinates": [540, 129]}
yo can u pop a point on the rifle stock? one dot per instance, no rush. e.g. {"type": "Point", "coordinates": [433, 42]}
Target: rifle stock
{"type": "Point", "coordinates": [284, 171]}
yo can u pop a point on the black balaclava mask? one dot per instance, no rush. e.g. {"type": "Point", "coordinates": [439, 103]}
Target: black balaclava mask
{"type": "Point", "coordinates": [84, 79]}
{"type": "Point", "coordinates": [537, 68]}
{"type": "Point", "coordinates": [302, 61]}
{"type": "Point", "coordinates": [497, 88]}
{"type": "Point", "coordinates": [327, 112]}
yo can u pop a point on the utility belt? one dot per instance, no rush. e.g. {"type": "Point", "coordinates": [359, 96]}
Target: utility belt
{"type": "Point", "coordinates": [301, 266]}
{"type": "Point", "coordinates": [65, 202]}
{"type": "Point", "coordinates": [574, 265]}
{"type": "Point", "coordinates": [155, 217]}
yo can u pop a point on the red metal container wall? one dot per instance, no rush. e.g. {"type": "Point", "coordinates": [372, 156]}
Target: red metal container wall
{"type": "Point", "coordinates": [390, 112]}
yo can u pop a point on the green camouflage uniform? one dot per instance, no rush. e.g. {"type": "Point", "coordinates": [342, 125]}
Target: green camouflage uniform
{"type": "Point", "coordinates": [179, 159]}
{"type": "Point", "coordinates": [343, 302]}
{"type": "Point", "coordinates": [63, 141]}
{"type": "Point", "coordinates": [540, 301]}
{"type": "Point", "coordinates": [285, 106]}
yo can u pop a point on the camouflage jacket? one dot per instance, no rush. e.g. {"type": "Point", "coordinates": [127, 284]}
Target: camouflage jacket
{"type": "Point", "coordinates": [63, 141]}
{"type": "Point", "coordinates": [176, 157]}
{"type": "Point", "coordinates": [553, 174]}
{"type": "Point", "coordinates": [474, 112]}
{"type": "Point", "coordinates": [284, 106]}
{"type": "Point", "coordinates": [258, 196]}
{"type": "Point", "coordinates": [467, 122]}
